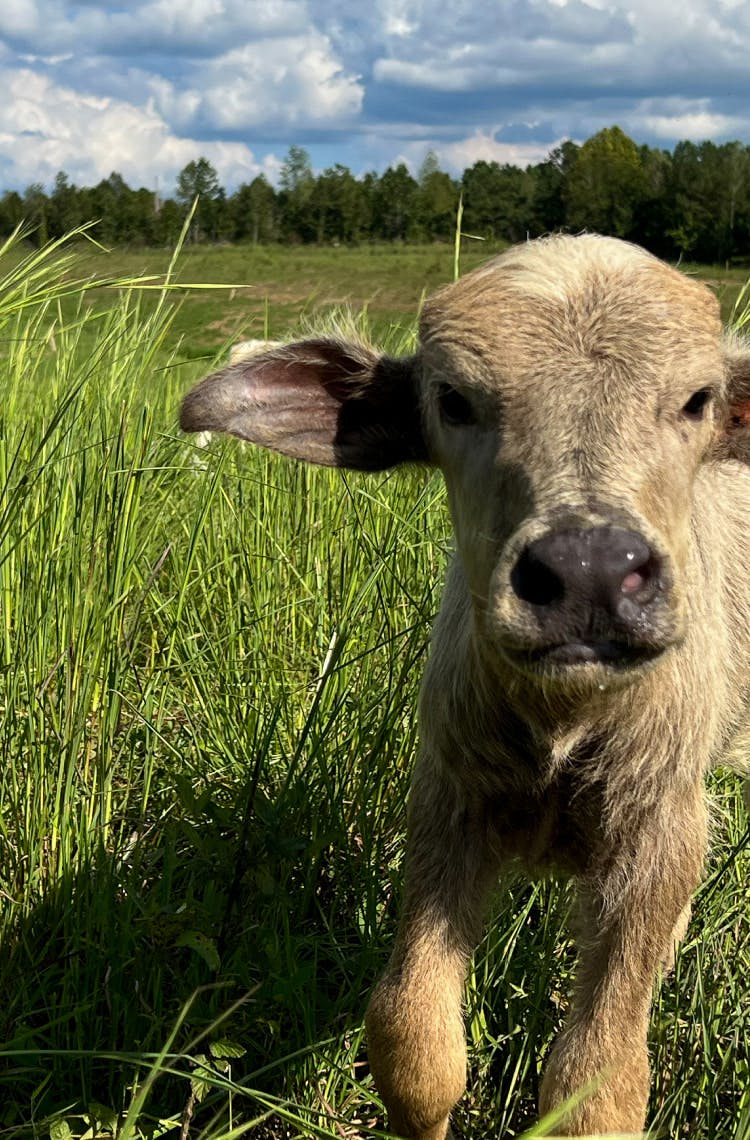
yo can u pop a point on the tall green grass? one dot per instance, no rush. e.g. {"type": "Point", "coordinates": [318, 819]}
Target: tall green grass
{"type": "Point", "coordinates": [209, 661]}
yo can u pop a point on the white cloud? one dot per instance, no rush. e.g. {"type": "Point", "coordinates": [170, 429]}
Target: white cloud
{"type": "Point", "coordinates": [455, 156]}
{"type": "Point", "coordinates": [293, 80]}
{"type": "Point", "coordinates": [445, 74]}
{"type": "Point", "coordinates": [360, 84]}
{"type": "Point", "coordinates": [620, 45]}
{"type": "Point", "coordinates": [201, 68]}
{"type": "Point", "coordinates": [19, 18]}
{"type": "Point", "coordinates": [659, 119]}
{"type": "Point", "coordinates": [399, 17]}
{"type": "Point", "coordinates": [45, 128]}
{"type": "Point", "coordinates": [684, 118]}
{"type": "Point", "coordinates": [485, 147]}
{"type": "Point", "coordinates": [226, 65]}
{"type": "Point", "coordinates": [167, 26]}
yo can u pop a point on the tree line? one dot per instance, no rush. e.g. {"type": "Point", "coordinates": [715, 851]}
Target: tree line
{"type": "Point", "coordinates": [692, 202]}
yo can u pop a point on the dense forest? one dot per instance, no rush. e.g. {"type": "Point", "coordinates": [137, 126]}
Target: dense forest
{"type": "Point", "coordinates": [693, 202]}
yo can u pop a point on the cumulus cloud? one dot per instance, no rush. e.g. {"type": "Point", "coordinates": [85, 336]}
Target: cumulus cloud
{"type": "Point", "coordinates": [543, 43]}
{"type": "Point", "coordinates": [360, 84]}
{"type": "Point", "coordinates": [225, 65]}
{"type": "Point", "coordinates": [45, 128]}
{"type": "Point", "coordinates": [202, 27]}
{"type": "Point", "coordinates": [295, 80]}
{"type": "Point", "coordinates": [478, 147]}
{"type": "Point", "coordinates": [685, 118]}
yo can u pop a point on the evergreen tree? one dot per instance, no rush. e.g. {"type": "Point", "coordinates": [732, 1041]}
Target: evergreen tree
{"type": "Point", "coordinates": [35, 209]}
{"type": "Point", "coordinates": [496, 201]}
{"type": "Point", "coordinates": [64, 206]}
{"type": "Point", "coordinates": [199, 180]}
{"type": "Point", "coordinates": [297, 185]}
{"type": "Point", "coordinates": [254, 212]}
{"type": "Point", "coordinates": [394, 200]}
{"type": "Point", "coordinates": [436, 201]}
{"type": "Point", "coordinates": [650, 221]}
{"type": "Point", "coordinates": [11, 212]}
{"type": "Point", "coordinates": [339, 206]}
{"type": "Point", "coordinates": [168, 219]}
{"type": "Point", "coordinates": [108, 204]}
{"type": "Point", "coordinates": [732, 215]}
{"type": "Point", "coordinates": [694, 202]}
{"type": "Point", "coordinates": [547, 188]}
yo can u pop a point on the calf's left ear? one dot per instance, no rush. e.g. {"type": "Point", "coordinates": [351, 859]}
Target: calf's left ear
{"type": "Point", "coordinates": [323, 400]}
{"type": "Point", "coordinates": [736, 429]}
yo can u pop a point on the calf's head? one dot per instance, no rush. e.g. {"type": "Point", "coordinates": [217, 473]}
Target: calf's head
{"type": "Point", "coordinates": [570, 391]}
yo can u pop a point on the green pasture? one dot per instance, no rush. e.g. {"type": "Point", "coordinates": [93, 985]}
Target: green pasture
{"type": "Point", "coordinates": [269, 290]}
{"type": "Point", "coordinates": [209, 660]}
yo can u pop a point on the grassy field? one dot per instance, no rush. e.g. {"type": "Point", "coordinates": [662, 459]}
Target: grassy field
{"type": "Point", "coordinates": [272, 289]}
{"type": "Point", "coordinates": [208, 665]}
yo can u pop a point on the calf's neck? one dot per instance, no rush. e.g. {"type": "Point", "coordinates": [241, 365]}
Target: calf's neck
{"type": "Point", "coordinates": [592, 653]}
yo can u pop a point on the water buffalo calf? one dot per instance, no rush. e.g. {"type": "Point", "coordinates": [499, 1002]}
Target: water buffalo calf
{"type": "Point", "coordinates": [592, 653]}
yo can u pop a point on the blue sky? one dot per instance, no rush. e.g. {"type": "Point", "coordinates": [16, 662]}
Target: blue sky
{"type": "Point", "coordinates": [144, 87]}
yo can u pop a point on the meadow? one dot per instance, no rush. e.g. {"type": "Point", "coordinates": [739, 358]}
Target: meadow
{"type": "Point", "coordinates": [209, 660]}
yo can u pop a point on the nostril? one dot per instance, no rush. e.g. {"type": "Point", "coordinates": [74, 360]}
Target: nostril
{"type": "Point", "coordinates": [640, 582]}
{"type": "Point", "coordinates": [533, 581]}
{"type": "Point", "coordinates": [632, 582]}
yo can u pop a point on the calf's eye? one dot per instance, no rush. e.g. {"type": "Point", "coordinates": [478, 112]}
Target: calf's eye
{"type": "Point", "coordinates": [697, 404]}
{"type": "Point", "coordinates": [455, 409]}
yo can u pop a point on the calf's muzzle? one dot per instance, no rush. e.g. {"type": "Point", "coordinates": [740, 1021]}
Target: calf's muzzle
{"type": "Point", "coordinates": [591, 591]}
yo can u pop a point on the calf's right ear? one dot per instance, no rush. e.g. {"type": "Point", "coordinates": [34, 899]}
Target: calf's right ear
{"type": "Point", "coordinates": [323, 400]}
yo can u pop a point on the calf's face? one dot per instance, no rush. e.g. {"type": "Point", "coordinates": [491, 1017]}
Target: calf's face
{"type": "Point", "coordinates": [569, 391]}
{"type": "Point", "coordinates": [570, 403]}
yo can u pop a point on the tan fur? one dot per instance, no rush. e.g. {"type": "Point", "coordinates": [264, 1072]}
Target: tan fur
{"type": "Point", "coordinates": [604, 784]}
{"type": "Point", "coordinates": [578, 360]}
{"type": "Point", "coordinates": [244, 349]}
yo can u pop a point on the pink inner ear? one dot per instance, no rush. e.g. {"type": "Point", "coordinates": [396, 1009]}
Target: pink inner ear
{"type": "Point", "coordinates": [739, 414]}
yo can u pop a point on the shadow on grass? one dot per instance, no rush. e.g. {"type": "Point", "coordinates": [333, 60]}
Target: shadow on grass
{"type": "Point", "coordinates": [227, 916]}
{"type": "Point", "coordinates": [202, 906]}
{"type": "Point", "coordinates": [227, 921]}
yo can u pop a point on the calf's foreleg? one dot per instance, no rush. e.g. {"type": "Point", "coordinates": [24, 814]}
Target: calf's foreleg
{"type": "Point", "coordinates": [629, 914]}
{"type": "Point", "coordinates": [415, 1029]}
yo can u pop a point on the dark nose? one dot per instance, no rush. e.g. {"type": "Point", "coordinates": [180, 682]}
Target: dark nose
{"type": "Point", "coordinates": [600, 569]}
